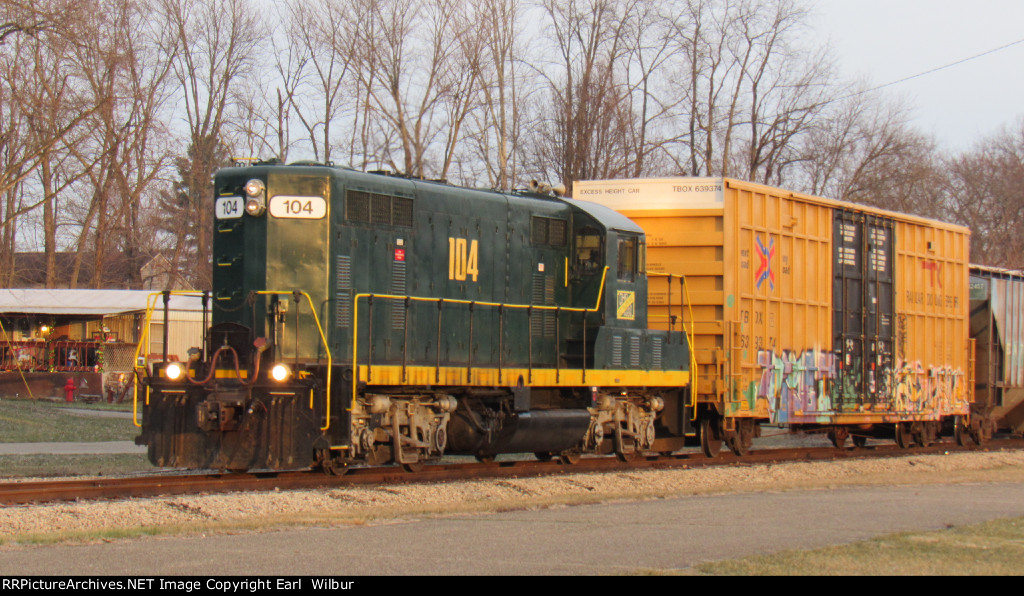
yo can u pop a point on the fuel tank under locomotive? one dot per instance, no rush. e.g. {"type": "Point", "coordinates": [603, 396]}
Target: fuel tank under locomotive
{"type": "Point", "coordinates": [476, 429]}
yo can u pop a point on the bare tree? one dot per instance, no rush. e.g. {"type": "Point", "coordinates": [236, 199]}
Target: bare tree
{"type": "Point", "coordinates": [417, 81]}
{"type": "Point", "coordinates": [984, 193]}
{"type": "Point", "coordinates": [32, 17]}
{"type": "Point", "coordinates": [653, 99]}
{"type": "Point", "coordinates": [43, 108]}
{"type": "Point", "coordinates": [496, 41]}
{"type": "Point", "coordinates": [863, 149]}
{"type": "Point", "coordinates": [754, 86]}
{"type": "Point", "coordinates": [587, 132]}
{"type": "Point", "coordinates": [786, 87]}
{"type": "Point", "coordinates": [215, 45]}
{"type": "Point", "coordinates": [314, 68]}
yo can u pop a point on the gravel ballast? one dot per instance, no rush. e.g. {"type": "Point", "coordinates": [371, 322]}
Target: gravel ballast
{"type": "Point", "coordinates": [267, 510]}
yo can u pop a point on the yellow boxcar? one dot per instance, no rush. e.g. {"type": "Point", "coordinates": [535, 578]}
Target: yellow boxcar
{"type": "Point", "coordinates": [804, 310]}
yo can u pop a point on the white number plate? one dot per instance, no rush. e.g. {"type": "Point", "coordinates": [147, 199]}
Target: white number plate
{"type": "Point", "coordinates": [298, 207]}
{"type": "Point", "coordinates": [229, 207]}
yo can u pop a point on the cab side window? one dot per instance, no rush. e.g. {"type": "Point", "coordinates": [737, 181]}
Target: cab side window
{"type": "Point", "coordinates": [588, 252]}
{"type": "Point", "coordinates": [628, 262]}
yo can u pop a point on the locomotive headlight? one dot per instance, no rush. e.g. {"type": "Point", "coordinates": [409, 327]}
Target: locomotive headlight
{"type": "Point", "coordinates": [174, 371]}
{"type": "Point", "coordinates": [256, 201]}
{"type": "Point", "coordinates": [255, 207]}
{"type": "Point", "coordinates": [280, 372]}
{"type": "Point", "coordinates": [254, 188]}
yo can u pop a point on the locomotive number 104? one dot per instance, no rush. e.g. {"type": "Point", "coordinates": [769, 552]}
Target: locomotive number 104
{"type": "Point", "coordinates": [463, 259]}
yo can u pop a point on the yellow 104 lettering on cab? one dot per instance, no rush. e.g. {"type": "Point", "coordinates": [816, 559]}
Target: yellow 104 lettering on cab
{"type": "Point", "coordinates": [463, 259]}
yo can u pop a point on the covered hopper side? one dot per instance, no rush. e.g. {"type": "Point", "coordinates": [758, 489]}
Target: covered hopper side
{"type": "Point", "coordinates": [806, 311]}
{"type": "Point", "coordinates": [997, 323]}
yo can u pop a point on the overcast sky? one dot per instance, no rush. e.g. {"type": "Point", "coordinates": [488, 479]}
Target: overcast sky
{"type": "Point", "coordinates": [888, 40]}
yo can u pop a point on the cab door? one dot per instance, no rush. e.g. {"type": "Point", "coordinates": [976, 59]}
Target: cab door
{"type": "Point", "coordinates": [625, 289]}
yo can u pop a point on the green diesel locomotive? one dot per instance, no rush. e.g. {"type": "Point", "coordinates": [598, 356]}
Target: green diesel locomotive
{"type": "Point", "coordinates": [368, 318]}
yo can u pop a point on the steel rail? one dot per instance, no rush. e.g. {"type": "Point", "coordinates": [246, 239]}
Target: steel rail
{"type": "Point", "coordinates": [163, 484]}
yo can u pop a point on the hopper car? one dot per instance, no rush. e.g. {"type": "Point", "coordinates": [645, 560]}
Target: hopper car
{"type": "Point", "coordinates": [366, 318]}
{"type": "Point", "coordinates": [997, 324]}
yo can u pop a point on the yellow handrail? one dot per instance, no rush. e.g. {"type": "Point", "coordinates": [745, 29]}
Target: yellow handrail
{"type": "Point", "coordinates": [689, 336]}
{"type": "Point", "coordinates": [151, 305]}
{"type": "Point", "coordinates": [327, 349]}
{"type": "Point", "coordinates": [355, 318]}
{"type": "Point", "coordinates": [143, 341]}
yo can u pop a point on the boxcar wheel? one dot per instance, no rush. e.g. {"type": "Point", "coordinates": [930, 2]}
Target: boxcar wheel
{"type": "Point", "coordinates": [710, 443]}
{"type": "Point", "coordinates": [964, 434]}
{"type": "Point", "coordinates": [924, 433]}
{"type": "Point", "coordinates": [543, 455]}
{"type": "Point", "coordinates": [904, 435]}
{"type": "Point", "coordinates": [838, 436]}
{"type": "Point", "coordinates": [742, 439]}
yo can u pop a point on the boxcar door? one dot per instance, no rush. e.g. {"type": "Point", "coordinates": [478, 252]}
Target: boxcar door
{"type": "Point", "coordinates": [863, 308]}
{"type": "Point", "coordinates": [847, 307]}
{"type": "Point", "coordinates": [879, 313]}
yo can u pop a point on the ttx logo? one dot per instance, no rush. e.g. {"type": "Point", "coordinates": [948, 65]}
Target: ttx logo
{"type": "Point", "coordinates": [936, 271]}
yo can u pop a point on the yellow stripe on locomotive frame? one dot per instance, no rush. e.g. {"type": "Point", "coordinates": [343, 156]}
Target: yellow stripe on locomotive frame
{"type": "Point", "coordinates": [494, 377]}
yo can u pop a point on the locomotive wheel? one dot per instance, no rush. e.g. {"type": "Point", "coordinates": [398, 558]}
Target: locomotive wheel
{"type": "Point", "coordinates": [904, 435]}
{"type": "Point", "coordinates": [413, 467]}
{"type": "Point", "coordinates": [335, 468]}
{"type": "Point", "coordinates": [570, 457]}
{"type": "Point", "coordinates": [710, 442]}
{"type": "Point", "coordinates": [630, 451]}
{"type": "Point", "coordinates": [379, 455]}
{"type": "Point", "coordinates": [330, 465]}
{"type": "Point", "coordinates": [838, 436]}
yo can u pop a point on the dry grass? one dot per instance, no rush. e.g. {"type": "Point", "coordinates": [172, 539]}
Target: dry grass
{"type": "Point", "coordinates": [991, 548]}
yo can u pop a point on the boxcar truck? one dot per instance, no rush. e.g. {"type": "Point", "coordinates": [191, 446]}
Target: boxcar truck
{"type": "Point", "coordinates": [808, 313]}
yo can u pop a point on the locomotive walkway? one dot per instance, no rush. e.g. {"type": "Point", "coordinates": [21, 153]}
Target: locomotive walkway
{"type": "Point", "coordinates": [620, 538]}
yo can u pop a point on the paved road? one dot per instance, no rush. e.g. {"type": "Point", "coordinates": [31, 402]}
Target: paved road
{"type": "Point", "coordinates": [585, 540]}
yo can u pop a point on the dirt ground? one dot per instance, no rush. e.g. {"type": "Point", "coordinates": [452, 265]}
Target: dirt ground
{"type": "Point", "coordinates": [261, 511]}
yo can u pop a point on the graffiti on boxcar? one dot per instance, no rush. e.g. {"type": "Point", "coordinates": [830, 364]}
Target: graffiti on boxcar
{"type": "Point", "coordinates": [917, 390]}
{"type": "Point", "coordinates": [795, 382]}
{"type": "Point", "coordinates": [909, 394]}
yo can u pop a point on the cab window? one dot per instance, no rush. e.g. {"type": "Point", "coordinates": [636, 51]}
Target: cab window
{"type": "Point", "coordinates": [627, 259]}
{"type": "Point", "coordinates": [588, 252]}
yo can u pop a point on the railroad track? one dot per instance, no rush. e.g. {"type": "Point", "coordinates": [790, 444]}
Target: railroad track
{"type": "Point", "coordinates": [157, 484]}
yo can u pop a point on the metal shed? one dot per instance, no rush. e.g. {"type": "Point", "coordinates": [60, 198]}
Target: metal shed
{"type": "Point", "coordinates": [90, 336]}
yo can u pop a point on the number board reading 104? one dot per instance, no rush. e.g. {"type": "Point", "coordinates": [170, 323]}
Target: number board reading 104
{"type": "Point", "coordinates": [283, 206]}
{"type": "Point", "coordinates": [229, 207]}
